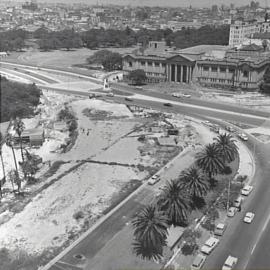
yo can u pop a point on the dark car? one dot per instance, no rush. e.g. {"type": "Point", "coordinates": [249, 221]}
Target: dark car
{"type": "Point", "coordinates": [168, 104]}
{"type": "Point", "coordinates": [128, 99]}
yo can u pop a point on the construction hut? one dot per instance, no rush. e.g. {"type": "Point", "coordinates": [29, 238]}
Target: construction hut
{"type": "Point", "coordinates": [34, 137]}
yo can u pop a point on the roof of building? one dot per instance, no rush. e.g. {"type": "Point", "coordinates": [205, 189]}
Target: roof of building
{"type": "Point", "coordinates": [33, 131]}
{"type": "Point", "coordinates": [251, 47]}
{"type": "Point", "coordinates": [174, 234]}
{"type": "Point", "coordinates": [201, 49]}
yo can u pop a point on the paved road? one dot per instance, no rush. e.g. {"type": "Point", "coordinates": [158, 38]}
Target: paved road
{"type": "Point", "coordinates": [249, 242]}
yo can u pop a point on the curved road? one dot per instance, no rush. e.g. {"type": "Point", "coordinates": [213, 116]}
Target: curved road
{"type": "Point", "coordinates": [249, 242]}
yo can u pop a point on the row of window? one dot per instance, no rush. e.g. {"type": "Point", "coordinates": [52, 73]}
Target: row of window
{"type": "Point", "coordinates": [215, 69]}
{"type": "Point", "coordinates": [149, 63]}
{"type": "Point", "coordinates": [214, 80]}
{"type": "Point", "coordinates": [154, 74]}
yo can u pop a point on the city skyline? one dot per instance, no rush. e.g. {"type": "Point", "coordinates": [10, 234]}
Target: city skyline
{"type": "Point", "coordinates": [171, 3]}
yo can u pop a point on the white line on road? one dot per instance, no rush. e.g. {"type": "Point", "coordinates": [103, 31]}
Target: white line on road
{"type": "Point", "coordinates": [253, 248]}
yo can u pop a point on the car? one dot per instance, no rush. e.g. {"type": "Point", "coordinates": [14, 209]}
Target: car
{"type": "Point", "coordinates": [139, 87]}
{"type": "Point", "coordinates": [168, 104]}
{"type": "Point", "coordinates": [231, 212]}
{"type": "Point", "coordinates": [176, 95]}
{"type": "Point", "coordinates": [186, 95]}
{"type": "Point", "coordinates": [246, 190]}
{"type": "Point", "coordinates": [243, 136]}
{"type": "Point", "coordinates": [128, 99]}
{"type": "Point", "coordinates": [220, 229]}
{"type": "Point", "coordinates": [110, 94]}
{"type": "Point", "coordinates": [229, 128]}
{"type": "Point", "coordinates": [198, 261]}
{"type": "Point", "coordinates": [153, 180]}
{"type": "Point", "coordinates": [209, 245]}
{"type": "Point", "coordinates": [238, 201]}
{"type": "Point", "coordinates": [230, 263]}
{"type": "Point", "coordinates": [249, 217]}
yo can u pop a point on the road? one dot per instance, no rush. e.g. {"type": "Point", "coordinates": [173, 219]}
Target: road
{"type": "Point", "coordinates": [248, 242]}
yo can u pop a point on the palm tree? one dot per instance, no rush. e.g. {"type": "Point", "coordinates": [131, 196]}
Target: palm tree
{"type": "Point", "coordinates": [174, 202]}
{"type": "Point", "coordinates": [9, 143]}
{"type": "Point", "coordinates": [210, 160]}
{"type": "Point", "coordinates": [19, 127]}
{"type": "Point", "coordinates": [2, 162]}
{"type": "Point", "coordinates": [150, 231]}
{"type": "Point", "coordinates": [194, 182]}
{"type": "Point", "coordinates": [227, 147]}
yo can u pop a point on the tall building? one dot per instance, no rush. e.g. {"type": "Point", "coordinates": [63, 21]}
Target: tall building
{"type": "Point", "coordinates": [242, 29]}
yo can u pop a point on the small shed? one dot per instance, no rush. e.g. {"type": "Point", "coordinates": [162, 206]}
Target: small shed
{"type": "Point", "coordinates": [34, 136]}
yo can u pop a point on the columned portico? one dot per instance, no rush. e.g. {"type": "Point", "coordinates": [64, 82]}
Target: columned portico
{"type": "Point", "coordinates": [181, 69]}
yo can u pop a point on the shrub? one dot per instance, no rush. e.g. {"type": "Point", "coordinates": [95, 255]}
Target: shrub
{"type": "Point", "coordinates": [227, 170]}
{"type": "Point", "coordinates": [78, 215]}
{"type": "Point", "coordinates": [189, 248]}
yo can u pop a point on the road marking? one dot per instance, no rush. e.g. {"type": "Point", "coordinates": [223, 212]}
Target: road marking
{"type": "Point", "coordinates": [253, 248]}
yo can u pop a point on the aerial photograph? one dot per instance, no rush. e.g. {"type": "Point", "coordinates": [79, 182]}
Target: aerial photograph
{"type": "Point", "coordinates": [134, 134]}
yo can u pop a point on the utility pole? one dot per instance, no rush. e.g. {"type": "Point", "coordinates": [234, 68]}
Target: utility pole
{"type": "Point", "coordinates": [228, 199]}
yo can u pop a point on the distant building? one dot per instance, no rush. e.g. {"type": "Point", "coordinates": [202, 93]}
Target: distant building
{"type": "Point", "coordinates": [30, 5]}
{"type": "Point", "coordinates": [242, 29]}
{"type": "Point", "coordinates": [209, 65]}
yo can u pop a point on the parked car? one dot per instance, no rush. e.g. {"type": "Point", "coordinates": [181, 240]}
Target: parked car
{"type": "Point", "coordinates": [176, 95]}
{"type": "Point", "coordinates": [230, 263]}
{"type": "Point", "coordinates": [110, 94]}
{"type": "Point", "coordinates": [198, 261]}
{"type": "Point", "coordinates": [229, 128]}
{"type": "Point", "coordinates": [153, 180]}
{"type": "Point", "coordinates": [139, 87]}
{"type": "Point", "coordinates": [231, 212]}
{"type": "Point", "coordinates": [186, 95]}
{"type": "Point", "coordinates": [168, 104]}
{"type": "Point", "coordinates": [128, 99]}
{"type": "Point", "coordinates": [246, 190]}
{"type": "Point", "coordinates": [249, 217]}
{"type": "Point", "coordinates": [243, 136]}
{"type": "Point", "coordinates": [220, 229]}
{"type": "Point", "coordinates": [238, 201]}
{"type": "Point", "coordinates": [209, 245]}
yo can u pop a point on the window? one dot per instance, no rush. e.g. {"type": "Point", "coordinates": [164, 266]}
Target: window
{"type": "Point", "coordinates": [130, 64]}
{"type": "Point", "coordinates": [231, 70]}
{"type": "Point", "coordinates": [214, 69]}
{"type": "Point", "coordinates": [222, 69]}
{"type": "Point", "coordinates": [205, 68]}
{"type": "Point", "coordinates": [155, 45]}
{"type": "Point", "coordinates": [143, 63]}
{"type": "Point", "coordinates": [163, 65]}
{"type": "Point", "coordinates": [245, 73]}
{"type": "Point", "coordinates": [149, 63]}
{"type": "Point", "coordinates": [156, 64]}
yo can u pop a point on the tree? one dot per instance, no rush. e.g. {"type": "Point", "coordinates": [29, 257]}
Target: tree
{"type": "Point", "coordinates": [190, 241]}
{"type": "Point", "coordinates": [112, 61]}
{"type": "Point", "coordinates": [15, 178]}
{"type": "Point", "coordinates": [174, 202]}
{"type": "Point", "coordinates": [19, 127]}
{"type": "Point", "coordinates": [137, 76]}
{"type": "Point", "coordinates": [227, 147]}
{"type": "Point", "coordinates": [264, 44]}
{"type": "Point", "coordinates": [194, 182]}
{"type": "Point", "coordinates": [265, 85]}
{"type": "Point", "coordinates": [150, 232]}
{"type": "Point", "coordinates": [210, 160]}
{"type": "Point", "coordinates": [10, 143]}
{"type": "Point", "coordinates": [2, 162]}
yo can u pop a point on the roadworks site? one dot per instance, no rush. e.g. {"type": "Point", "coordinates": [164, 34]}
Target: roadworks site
{"type": "Point", "coordinates": [84, 173]}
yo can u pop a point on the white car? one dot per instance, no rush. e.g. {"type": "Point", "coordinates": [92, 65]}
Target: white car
{"type": "Point", "coordinates": [238, 201]}
{"type": "Point", "coordinates": [186, 95]}
{"type": "Point", "coordinates": [246, 190]}
{"type": "Point", "coordinates": [229, 263]}
{"type": "Point", "coordinates": [231, 212]}
{"type": "Point", "coordinates": [249, 217]}
{"type": "Point", "coordinates": [153, 180]}
{"type": "Point", "coordinates": [198, 262]}
{"type": "Point", "coordinates": [209, 245]}
{"type": "Point", "coordinates": [220, 229]}
{"type": "Point", "coordinates": [243, 136]}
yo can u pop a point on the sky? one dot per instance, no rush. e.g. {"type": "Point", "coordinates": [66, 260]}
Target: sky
{"type": "Point", "coordinates": [180, 3]}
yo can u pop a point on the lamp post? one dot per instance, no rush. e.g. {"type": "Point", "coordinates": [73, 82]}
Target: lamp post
{"type": "Point", "coordinates": [228, 198]}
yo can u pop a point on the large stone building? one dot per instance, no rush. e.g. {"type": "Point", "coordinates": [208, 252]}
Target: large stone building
{"type": "Point", "coordinates": [209, 65]}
